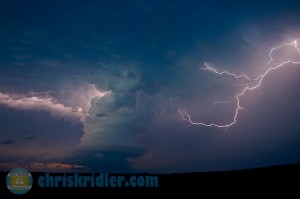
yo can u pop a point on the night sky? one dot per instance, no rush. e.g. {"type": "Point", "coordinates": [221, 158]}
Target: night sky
{"type": "Point", "coordinates": [97, 85]}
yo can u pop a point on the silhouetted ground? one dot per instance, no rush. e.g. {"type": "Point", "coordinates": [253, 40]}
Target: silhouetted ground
{"type": "Point", "coordinates": [269, 180]}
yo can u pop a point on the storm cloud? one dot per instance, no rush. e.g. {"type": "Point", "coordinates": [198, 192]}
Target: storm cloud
{"type": "Point", "coordinates": [121, 70]}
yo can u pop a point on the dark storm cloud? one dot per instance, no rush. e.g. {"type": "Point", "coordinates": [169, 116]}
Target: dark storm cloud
{"type": "Point", "coordinates": [28, 137]}
{"type": "Point", "coordinates": [266, 134]}
{"type": "Point", "coordinates": [7, 142]}
{"type": "Point", "coordinates": [106, 160]}
{"type": "Point", "coordinates": [149, 54]}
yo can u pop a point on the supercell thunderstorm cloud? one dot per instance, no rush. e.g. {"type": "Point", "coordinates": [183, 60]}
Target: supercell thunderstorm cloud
{"type": "Point", "coordinates": [134, 85]}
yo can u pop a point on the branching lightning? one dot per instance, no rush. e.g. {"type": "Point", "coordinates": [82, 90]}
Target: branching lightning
{"type": "Point", "coordinates": [224, 72]}
{"type": "Point", "coordinates": [256, 83]}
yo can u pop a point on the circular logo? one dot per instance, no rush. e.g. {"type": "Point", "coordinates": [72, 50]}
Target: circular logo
{"type": "Point", "coordinates": [19, 181]}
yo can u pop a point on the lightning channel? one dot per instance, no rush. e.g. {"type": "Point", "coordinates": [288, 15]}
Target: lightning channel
{"type": "Point", "coordinates": [209, 68]}
{"type": "Point", "coordinates": [257, 83]}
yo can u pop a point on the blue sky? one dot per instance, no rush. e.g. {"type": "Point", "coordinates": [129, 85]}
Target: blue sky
{"type": "Point", "coordinates": [97, 85]}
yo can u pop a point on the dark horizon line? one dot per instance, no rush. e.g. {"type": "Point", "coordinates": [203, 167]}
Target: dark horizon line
{"type": "Point", "coordinates": [276, 167]}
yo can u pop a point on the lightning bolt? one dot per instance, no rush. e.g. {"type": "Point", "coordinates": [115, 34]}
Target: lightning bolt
{"type": "Point", "coordinates": [224, 72]}
{"type": "Point", "coordinates": [257, 83]}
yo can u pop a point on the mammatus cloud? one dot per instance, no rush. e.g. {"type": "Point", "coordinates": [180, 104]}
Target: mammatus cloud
{"type": "Point", "coordinates": [53, 106]}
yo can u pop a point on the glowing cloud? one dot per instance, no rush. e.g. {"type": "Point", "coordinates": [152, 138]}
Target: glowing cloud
{"type": "Point", "coordinates": [49, 104]}
{"type": "Point", "coordinates": [54, 166]}
{"type": "Point", "coordinates": [256, 82]}
{"type": "Point", "coordinates": [40, 166]}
